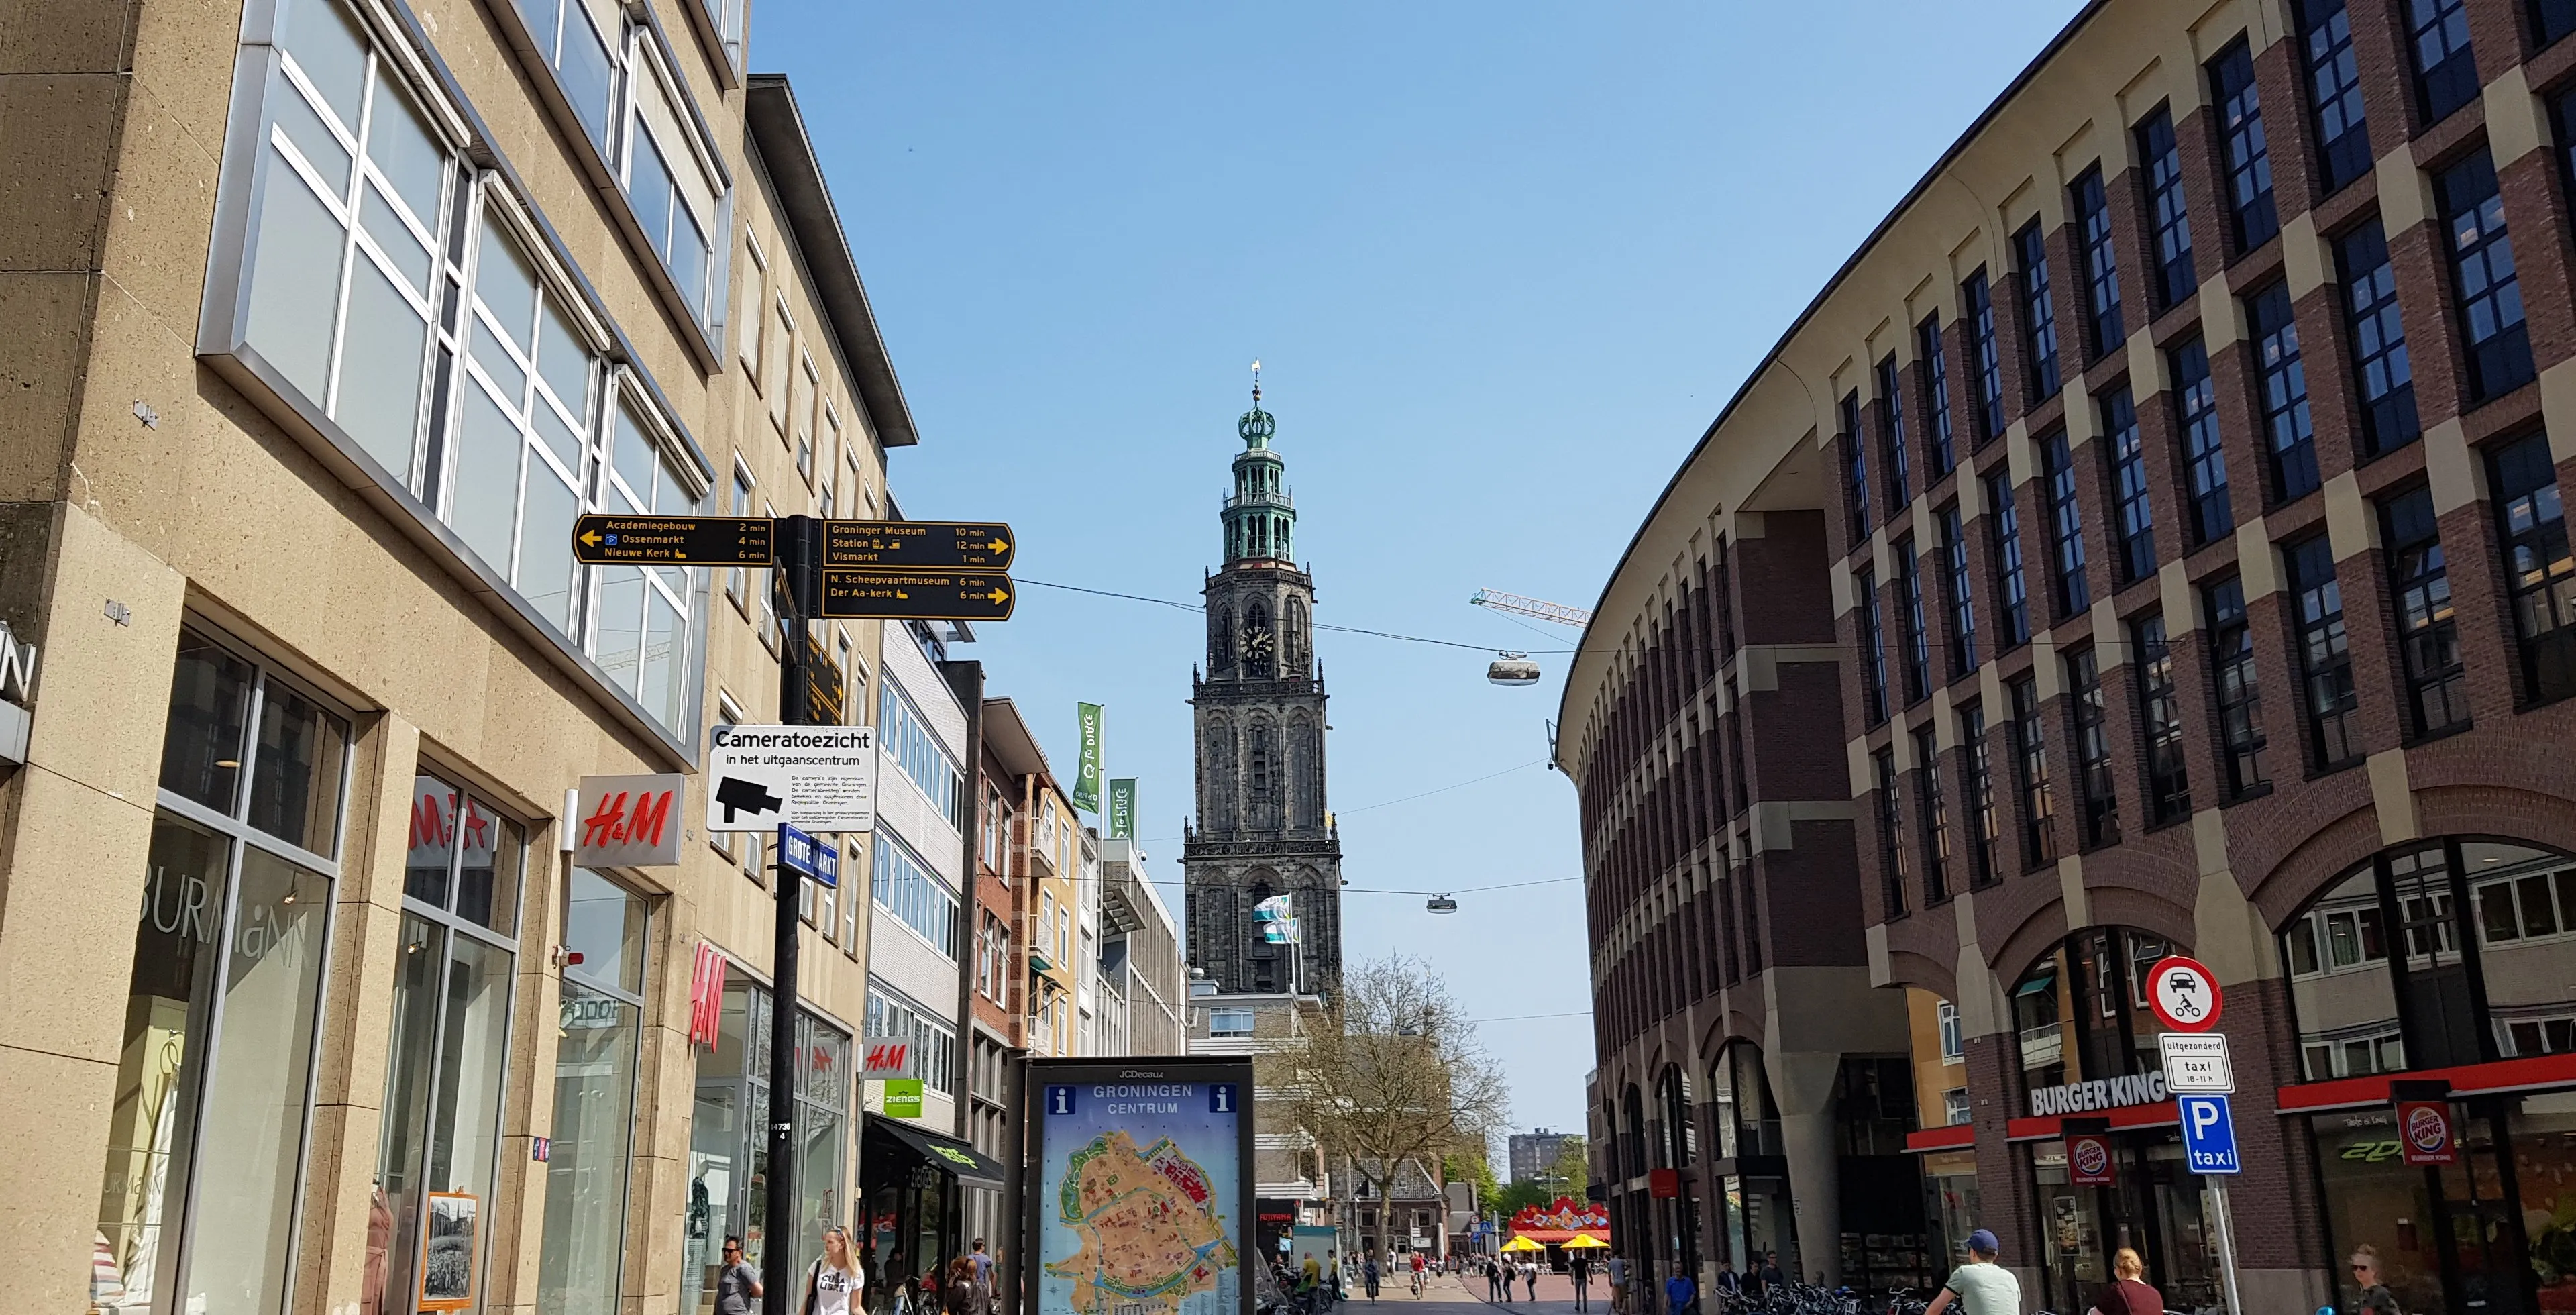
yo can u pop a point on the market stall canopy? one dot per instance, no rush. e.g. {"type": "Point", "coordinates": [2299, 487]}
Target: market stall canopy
{"type": "Point", "coordinates": [1521, 1244]}
{"type": "Point", "coordinates": [1583, 1241]}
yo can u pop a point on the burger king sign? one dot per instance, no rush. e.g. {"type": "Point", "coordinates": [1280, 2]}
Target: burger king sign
{"type": "Point", "coordinates": [2424, 1132]}
{"type": "Point", "coordinates": [2088, 1160]}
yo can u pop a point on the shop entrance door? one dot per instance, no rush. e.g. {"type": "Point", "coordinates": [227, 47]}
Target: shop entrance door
{"type": "Point", "coordinates": [2477, 1223]}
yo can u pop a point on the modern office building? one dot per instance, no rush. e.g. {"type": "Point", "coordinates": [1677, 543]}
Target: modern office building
{"type": "Point", "coordinates": [2168, 495]}
{"type": "Point", "coordinates": [327, 318]}
{"type": "Point", "coordinates": [1142, 974]}
{"type": "Point", "coordinates": [1530, 1153]}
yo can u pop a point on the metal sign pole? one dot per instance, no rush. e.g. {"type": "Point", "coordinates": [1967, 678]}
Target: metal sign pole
{"type": "Point", "coordinates": [795, 590]}
{"type": "Point", "coordinates": [2226, 1244]}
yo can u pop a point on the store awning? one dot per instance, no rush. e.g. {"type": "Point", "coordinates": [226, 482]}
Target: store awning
{"type": "Point", "coordinates": [946, 1154]}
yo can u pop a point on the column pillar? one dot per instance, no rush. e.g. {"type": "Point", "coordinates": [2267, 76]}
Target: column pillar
{"type": "Point", "coordinates": [1804, 1082]}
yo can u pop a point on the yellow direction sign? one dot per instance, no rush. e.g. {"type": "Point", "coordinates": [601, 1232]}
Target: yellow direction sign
{"type": "Point", "coordinates": [604, 540]}
{"type": "Point", "coordinates": [909, 545]}
{"type": "Point", "coordinates": [919, 595]}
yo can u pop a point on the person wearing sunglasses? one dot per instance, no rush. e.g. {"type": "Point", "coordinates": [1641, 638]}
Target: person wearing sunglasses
{"type": "Point", "coordinates": [738, 1285]}
{"type": "Point", "coordinates": [2376, 1299]}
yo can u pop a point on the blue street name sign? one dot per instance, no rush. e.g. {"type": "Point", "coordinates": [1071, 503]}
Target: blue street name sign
{"type": "Point", "coordinates": [2208, 1135]}
{"type": "Point", "coordinates": [803, 854]}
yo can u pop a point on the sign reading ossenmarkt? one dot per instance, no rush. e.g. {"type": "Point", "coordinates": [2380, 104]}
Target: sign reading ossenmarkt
{"type": "Point", "coordinates": [813, 778]}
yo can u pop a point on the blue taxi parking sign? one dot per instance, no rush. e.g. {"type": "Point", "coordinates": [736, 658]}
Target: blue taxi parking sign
{"type": "Point", "coordinates": [2208, 1135]}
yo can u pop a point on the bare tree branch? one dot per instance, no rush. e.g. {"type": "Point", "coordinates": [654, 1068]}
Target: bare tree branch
{"type": "Point", "coordinates": [1393, 1072]}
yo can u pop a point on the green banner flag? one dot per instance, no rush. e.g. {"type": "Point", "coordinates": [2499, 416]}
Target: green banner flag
{"type": "Point", "coordinates": [1122, 808]}
{"type": "Point", "coordinates": [1086, 778]}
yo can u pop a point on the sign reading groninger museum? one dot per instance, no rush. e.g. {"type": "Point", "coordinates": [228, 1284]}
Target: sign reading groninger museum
{"type": "Point", "coordinates": [1143, 1199]}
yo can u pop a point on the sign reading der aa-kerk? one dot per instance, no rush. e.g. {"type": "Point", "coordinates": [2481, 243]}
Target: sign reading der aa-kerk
{"type": "Point", "coordinates": [813, 778]}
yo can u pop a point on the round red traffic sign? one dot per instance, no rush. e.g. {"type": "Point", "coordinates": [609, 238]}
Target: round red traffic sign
{"type": "Point", "coordinates": [2184, 995]}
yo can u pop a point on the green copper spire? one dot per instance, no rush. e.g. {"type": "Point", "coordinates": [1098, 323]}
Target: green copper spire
{"type": "Point", "coordinates": [1260, 518]}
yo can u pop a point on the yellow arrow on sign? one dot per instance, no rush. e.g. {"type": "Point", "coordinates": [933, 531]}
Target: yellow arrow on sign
{"type": "Point", "coordinates": [999, 545]}
{"type": "Point", "coordinates": [997, 597]}
{"type": "Point", "coordinates": [591, 538]}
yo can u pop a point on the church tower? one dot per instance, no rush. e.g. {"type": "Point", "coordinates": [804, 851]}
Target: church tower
{"type": "Point", "coordinates": [1263, 828]}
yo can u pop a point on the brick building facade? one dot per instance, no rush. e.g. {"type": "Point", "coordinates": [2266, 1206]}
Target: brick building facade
{"type": "Point", "coordinates": [2178, 468]}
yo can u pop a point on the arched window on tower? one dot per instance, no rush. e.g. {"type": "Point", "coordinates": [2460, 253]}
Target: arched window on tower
{"type": "Point", "coordinates": [1306, 770]}
{"type": "Point", "coordinates": [1221, 638]}
{"type": "Point", "coordinates": [1292, 638]}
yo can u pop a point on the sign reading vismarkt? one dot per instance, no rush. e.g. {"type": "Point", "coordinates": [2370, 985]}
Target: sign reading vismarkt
{"type": "Point", "coordinates": [813, 778]}
{"type": "Point", "coordinates": [1143, 1197]}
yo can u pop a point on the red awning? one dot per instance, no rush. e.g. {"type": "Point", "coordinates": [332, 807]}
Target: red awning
{"type": "Point", "coordinates": [1956, 1137]}
{"type": "Point", "coordinates": [2123, 1118]}
{"type": "Point", "coordinates": [1562, 1234]}
{"type": "Point", "coordinates": [2530, 1074]}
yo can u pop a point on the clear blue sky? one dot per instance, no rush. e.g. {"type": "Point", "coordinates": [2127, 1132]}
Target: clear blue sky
{"type": "Point", "coordinates": [1502, 263]}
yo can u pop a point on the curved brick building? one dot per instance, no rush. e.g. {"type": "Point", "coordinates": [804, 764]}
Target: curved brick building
{"type": "Point", "coordinates": [2149, 542]}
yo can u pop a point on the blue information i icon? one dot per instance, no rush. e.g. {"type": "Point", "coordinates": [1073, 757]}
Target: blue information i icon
{"type": "Point", "coordinates": [1059, 1100]}
{"type": "Point", "coordinates": [2208, 1135]}
{"type": "Point", "coordinates": [1222, 1097]}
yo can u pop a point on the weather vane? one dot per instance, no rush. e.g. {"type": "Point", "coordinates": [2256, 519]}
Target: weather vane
{"type": "Point", "coordinates": [1256, 381]}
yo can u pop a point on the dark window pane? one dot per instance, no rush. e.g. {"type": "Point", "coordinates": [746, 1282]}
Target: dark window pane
{"type": "Point", "coordinates": [2160, 709]}
{"type": "Point", "coordinates": [2090, 723]}
{"type": "Point", "coordinates": [1963, 612]}
{"type": "Point", "coordinates": [2012, 597]}
{"type": "Point", "coordinates": [2325, 655]}
{"type": "Point", "coordinates": [2038, 311]}
{"type": "Point", "coordinates": [2446, 73]}
{"type": "Point", "coordinates": [2334, 84]}
{"type": "Point", "coordinates": [1936, 396]}
{"type": "Point", "coordinates": [1984, 364]}
{"type": "Point", "coordinates": [2167, 214]}
{"type": "Point", "coordinates": [2380, 368]}
{"type": "Point", "coordinates": [2283, 378]}
{"type": "Point", "coordinates": [2538, 571]}
{"type": "Point", "coordinates": [2135, 516]}
{"type": "Point", "coordinates": [1891, 417]}
{"type": "Point", "coordinates": [2204, 456]}
{"type": "Point", "coordinates": [2101, 262]}
{"type": "Point", "coordinates": [209, 710]}
{"type": "Point", "coordinates": [2487, 290]}
{"type": "Point", "coordinates": [2237, 693]}
{"type": "Point", "coordinates": [2065, 525]}
{"type": "Point", "coordinates": [2247, 156]}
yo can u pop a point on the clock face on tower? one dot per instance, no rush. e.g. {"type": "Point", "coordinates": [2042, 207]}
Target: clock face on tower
{"type": "Point", "coordinates": [1256, 646]}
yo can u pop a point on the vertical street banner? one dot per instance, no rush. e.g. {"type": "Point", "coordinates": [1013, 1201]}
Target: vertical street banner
{"type": "Point", "coordinates": [1142, 1203]}
{"type": "Point", "coordinates": [1122, 808]}
{"type": "Point", "coordinates": [1086, 777]}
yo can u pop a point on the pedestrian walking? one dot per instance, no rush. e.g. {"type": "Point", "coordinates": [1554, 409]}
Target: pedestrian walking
{"type": "Point", "coordinates": [1618, 1284]}
{"type": "Point", "coordinates": [1369, 1276]}
{"type": "Point", "coordinates": [1772, 1279]}
{"type": "Point", "coordinates": [987, 1281]}
{"type": "Point", "coordinates": [1979, 1287]}
{"type": "Point", "coordinates": [738, 1284]}
{"type": "Point", "coordinates": [2128, 1292]}
{"type": "Point", "coordinates": [833, 1285]}
{"type": "Point", "coordinates": [1493, 1279]}
{"type": "Point", "coordinates": [958, 1296]}
{"type": "Point", "coordinates": [1581, 1267]}
{"type": "Point", "coordinates": [2376, 1299]}
{"type": "Point", "coordinates": [1681, 1295]}
{"type": "Point", "coordinates": [1529, 1278]}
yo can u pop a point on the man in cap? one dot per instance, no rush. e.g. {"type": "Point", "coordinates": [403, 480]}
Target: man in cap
{"type": "Point", "coordinates": [1979, 1287]}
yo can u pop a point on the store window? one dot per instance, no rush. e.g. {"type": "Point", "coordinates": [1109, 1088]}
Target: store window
{"type": "Point", "coordinates": [729, 1147]}
{"type": "Point", "coordinates": [407, 304]}
{"type": "Point", "coordinates": [2451, 952]}
{"type": "Point", "coordinates": [599, 1029]}
{"type": "Point", "coordinates": [2080, 1013]}
{"type": "Point", "coordinates": [205, 1150]}
{"type": "Point", "coordinates": [449, 1050]}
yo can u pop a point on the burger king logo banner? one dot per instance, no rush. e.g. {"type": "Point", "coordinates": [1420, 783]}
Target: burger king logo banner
{"type": "Point", "coordinates": [2424, 1132]}
{"type": "Point", "coordinates": [2089, 1162]}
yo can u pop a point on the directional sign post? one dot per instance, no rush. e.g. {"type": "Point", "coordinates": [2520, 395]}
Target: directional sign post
{"type": "Point", "coordinates": [929, 595]}
{"type": "Point", "coordinates": [918, 545]}
{"type": "Point", "coordinates": [601, 540]}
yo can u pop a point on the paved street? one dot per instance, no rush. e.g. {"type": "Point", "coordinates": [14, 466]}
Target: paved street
{"type": "Point", "coordinates": [1467, 1291]}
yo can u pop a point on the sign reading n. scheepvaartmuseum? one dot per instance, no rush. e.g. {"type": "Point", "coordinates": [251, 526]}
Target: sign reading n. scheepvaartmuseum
{"type": "Point", "coordinates": [1143, 1202]}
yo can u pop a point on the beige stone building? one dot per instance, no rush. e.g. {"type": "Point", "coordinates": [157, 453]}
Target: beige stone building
{"type": "Point", "coordinates": [326, 317]}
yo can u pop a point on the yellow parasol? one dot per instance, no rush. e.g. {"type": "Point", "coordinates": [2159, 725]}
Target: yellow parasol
{"type": "Point", "coordinates": [1522, 1244]}
{"type": "Point", "coordinates": [1583, 1241]}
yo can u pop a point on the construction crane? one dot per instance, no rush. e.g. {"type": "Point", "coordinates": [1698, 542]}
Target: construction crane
{"type": "Point", "coordinates": [1545, 611]}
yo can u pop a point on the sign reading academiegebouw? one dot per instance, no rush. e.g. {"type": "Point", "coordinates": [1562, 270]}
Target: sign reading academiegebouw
{"type": "Point", "coordinates": [1144, 1191]}
{"type": "Point", "coordinates": [813, 778]}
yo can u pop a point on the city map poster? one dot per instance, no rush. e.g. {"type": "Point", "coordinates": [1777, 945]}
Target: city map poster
{"type": "Point", "coordinates": [1142, 1203]}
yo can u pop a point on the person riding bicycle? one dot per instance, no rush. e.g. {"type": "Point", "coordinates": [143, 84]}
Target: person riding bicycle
{"type": "Point", "coordinates": [1417, 1273]}
{"type": "Point", "coordinates": [1979, 1287]}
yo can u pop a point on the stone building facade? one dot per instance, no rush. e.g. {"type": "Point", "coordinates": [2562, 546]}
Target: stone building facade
{"type": "Point", "coordinates": [2180, 462]}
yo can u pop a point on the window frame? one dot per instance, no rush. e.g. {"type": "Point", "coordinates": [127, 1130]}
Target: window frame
{"type": "Point", "coordinates": [2168, 209]}
{"type": "Point", "coordinates": [2382, 370]}
{"type": "Point", "coordinates": [2244, 153]}
{"type": "Point", "coordinates": [2281, 391]}
{"type": "Point", "coordinates": [2337, 114]}
{"type": "Point", "coordinates": [2160, 721]}
{"type": "Point", "coordinates": [2235, 686]}
{"type": "Point", "coordinates": [475, 198]}
{"type": "Point", "coordinates": [2539, 573]}
{"type": "Point", "coordinates": [2204, 443]}
{"type": "Point", "coordinates": [2430, 668]}
{"type": "Point", "coordinates": [2133, 513]}
{"type": "Point", "coordinates": [2329, 694]}
{"type": "Point", "coordinates": [2074, 592]}
{"type": "Point", "coordinates": [2090, 203]}
{"type": "Point", "coordinates": [2500, 360]}
{"type": "Point", "coordinates": [2039, 312]}
{"type": "Point", "coordinates": [1985, 356]}
{"type": "Point", "coordinates": [2012, 583]}
{"type": "Point", "coordinates": [1934, 357]}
